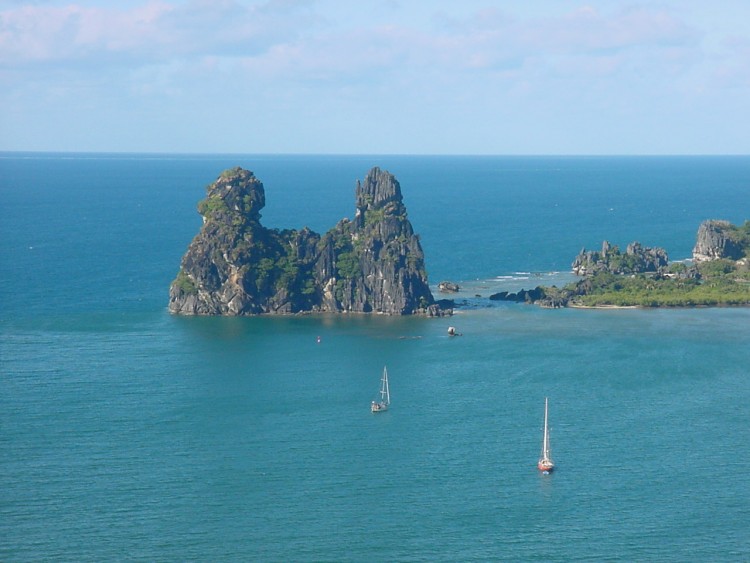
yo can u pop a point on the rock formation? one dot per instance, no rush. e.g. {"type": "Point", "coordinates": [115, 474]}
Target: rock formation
{"type": "Point", "coordinates": [523, 296]}
{"type": "Point", "coordinates": [636, 260]}
{"type": "Point", "coordinates": [448, 287]}
{"type": "Point", "coordinates": [236, 266]}
{"type": "Point", "coordinates": [642, 277]}
{"type": "Point", "coordinates": [717, 240]}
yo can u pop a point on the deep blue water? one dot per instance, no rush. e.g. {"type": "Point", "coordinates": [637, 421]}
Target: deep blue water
{"type": "Point", "coordinates": [127, 433]}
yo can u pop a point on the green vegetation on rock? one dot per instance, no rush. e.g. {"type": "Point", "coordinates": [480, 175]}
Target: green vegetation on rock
{"type": "Point", "coordinates": [741, 236]}
{"type": "Point", "coordinates": [185, 284]}
{"type": "Point", "coordinates": [211, 206]}
{"type": "Point", "coordinates": [347, 265]}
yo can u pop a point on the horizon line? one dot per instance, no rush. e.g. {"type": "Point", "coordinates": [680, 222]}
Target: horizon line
{"type": "Point", "coordinates": [363, 154]}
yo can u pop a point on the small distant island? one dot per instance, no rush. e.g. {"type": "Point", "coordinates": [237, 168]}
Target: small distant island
{"type": "Point", "coordinates": [719, 275]}
{"type": "Point", "coordinates": [236, 267]}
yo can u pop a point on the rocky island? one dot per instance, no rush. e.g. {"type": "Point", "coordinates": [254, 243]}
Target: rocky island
{"type": "Point", "coordinates": [236, 266]}
{"type": "Point", "coordinates": [719, 274]}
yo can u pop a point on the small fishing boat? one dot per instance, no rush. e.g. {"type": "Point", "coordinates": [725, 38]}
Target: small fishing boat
{"type": "Point", "coordinates": [545, 464]}
{"type": "Point", "coordinates": [385, 395]}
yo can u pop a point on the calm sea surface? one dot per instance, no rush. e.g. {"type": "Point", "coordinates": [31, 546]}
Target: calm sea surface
{"type": "Point", "coordinates": [130, 434]}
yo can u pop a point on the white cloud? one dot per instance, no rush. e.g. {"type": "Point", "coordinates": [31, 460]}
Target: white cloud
{"type": "Point", "coordinates": [281, 65]}
{"type": "Point", "coordinates": [156, 30]}
{"type": "Point", "coordinates": [159, 30]}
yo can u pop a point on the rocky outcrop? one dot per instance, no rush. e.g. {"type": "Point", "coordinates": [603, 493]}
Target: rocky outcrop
{"type": "Point", "coordinates": [448, 287]}
{"type": "Point", "coordinates": [719, 240]}
{"type": "Point", "coordinates": [236, 266]}
{"type": "Point", "coordinates": [636, 260]}
{"type": "Point", "coordinates": [549, 297]}
{"type": "Point", "coordinates": [523, 296]}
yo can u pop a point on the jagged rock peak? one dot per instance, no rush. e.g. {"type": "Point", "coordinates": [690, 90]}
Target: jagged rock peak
{"type": "Point", "coordinates": [378, 197]}
{"type": "Point", "coordinates": [378, 189]}
{"type": "Point", "coordinates": [717, 239]}
{"type": "Point", "coordinates": [637, 259]}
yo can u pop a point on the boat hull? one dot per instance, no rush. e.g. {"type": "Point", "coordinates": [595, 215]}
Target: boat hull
{"type": "Point", "coordinates": [546, 466]}
{"type": "Point", "coordinates": [378, 407]}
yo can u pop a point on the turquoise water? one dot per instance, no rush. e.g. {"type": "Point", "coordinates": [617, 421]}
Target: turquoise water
{"type": "Point", "coordinates": [127, 433]}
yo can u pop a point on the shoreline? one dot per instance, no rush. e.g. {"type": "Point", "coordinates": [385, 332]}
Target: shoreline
{"type": "Point", "coordinates": [577, 306]}
{"type": "Point", "coordinates": [718, 306]}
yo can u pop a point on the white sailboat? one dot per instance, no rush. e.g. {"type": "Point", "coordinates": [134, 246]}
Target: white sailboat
{"type": "Point", "coordinates": [385, 395]}
{"type": "Point", "coordinates": [545, 463]}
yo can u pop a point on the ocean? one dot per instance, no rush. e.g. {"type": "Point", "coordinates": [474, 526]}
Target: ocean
{"type": "Point", "coordinates": [127, 433]}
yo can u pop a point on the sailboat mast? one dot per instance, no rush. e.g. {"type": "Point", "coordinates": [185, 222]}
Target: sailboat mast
{"type": "Point", "coordinates": [545, 444]}
{"type": "Point", "coordinates": [386, 390]}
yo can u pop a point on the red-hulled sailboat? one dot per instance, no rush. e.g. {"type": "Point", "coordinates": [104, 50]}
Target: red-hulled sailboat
{"type": "Point", "coordinates": [545, 463]}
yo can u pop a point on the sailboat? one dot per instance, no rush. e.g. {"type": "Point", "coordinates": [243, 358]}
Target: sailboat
{"type": "Point", "coordinates": [545, 463]}
{"type": "Point", "coordinates": [385, 395]}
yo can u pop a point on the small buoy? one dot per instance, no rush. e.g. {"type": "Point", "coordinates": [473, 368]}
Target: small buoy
{"type": "Point", "coordinates": [318, 339]}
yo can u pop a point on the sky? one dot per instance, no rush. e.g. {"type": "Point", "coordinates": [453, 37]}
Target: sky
{"type": "Point", "coordinates": [503, 77]}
